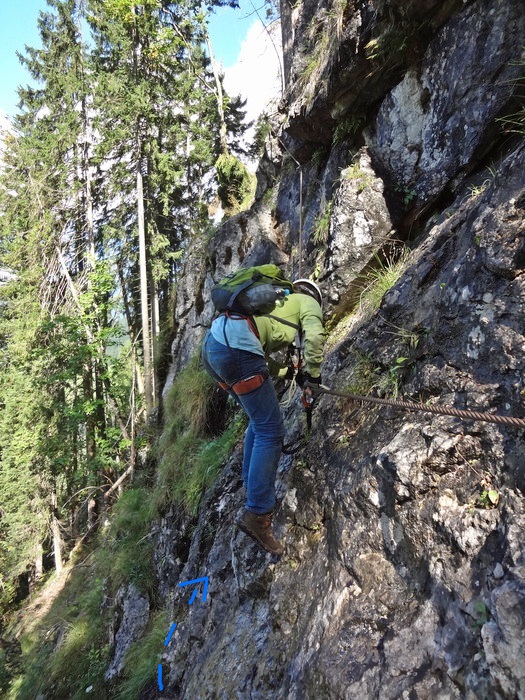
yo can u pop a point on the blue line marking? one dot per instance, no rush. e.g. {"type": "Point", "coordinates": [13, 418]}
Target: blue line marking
{"type": "Point", "coordinates": [170, 634]}
{"type": "Point", "coordinates": [203, 580]}
{"type": "Point", "coordinates": [159, 675]}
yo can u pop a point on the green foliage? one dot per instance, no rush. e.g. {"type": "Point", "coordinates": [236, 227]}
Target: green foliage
{"type": "Point", "coordinates": [360, 177]}
{"type": "Point", "coordinates": [490, 496]}
{"type": "Point", "coordinates": [323, 31]}
{"type": "Point", "coordinates": [191, 464]}
{"type": "Point", "coordinates": [482, 613]}
{"type": "Point", "coordinates": [489, 499]}
{"type": "Point", "coordinates": [408, 195]}
{"type": "Point", "coordinates": [263, 129]}
{"type": "Point", "coordinates": [322, 225]}
{"type": "Point", "coordinates": [407, 336]}
{"type": "Point", "coordinates": [137, 99]}
{"type": "Point", "coordinates": [143, 657]}
{"type": "Point", "coordinates": [190, 460]}
{"type": "Point", "coordinates": [381, 279]}
{"type": "Point", "coordinates": [390, 382]}
{"type": "Point", "coordinates": [187, 403]}
{"type": "Point", "coordinates": [347, 127]}
{"type": "Point", "coordinates": [367, 376]}
{"type": "Point", "coordinates": [475, 190]}
{"type": "Point", "coordinates": [64, 651]}
{"type": "Point", "coordinates": [363, 377]}
{"type": "Point", "coordinates": [391, 45]}
{"type": "Point", "coordinates": [235, 183]}
{"type": "Point", "coordinates": [126, 552]}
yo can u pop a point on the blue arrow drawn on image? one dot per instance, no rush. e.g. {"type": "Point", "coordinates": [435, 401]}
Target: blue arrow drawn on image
{"type": "Point", "coordinates": [204, 580]}
{"type": "Point", "coordinates": [159, 667]}
{"type": "Point", "coordinates": [196, 582]}
{"type": "Point", "coordinates": [170, 634]}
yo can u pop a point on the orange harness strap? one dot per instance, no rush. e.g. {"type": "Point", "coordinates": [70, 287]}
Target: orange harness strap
{"type": "Point", "coordinates": [236, 316]}
{"type": "Point", "coordinates": [244, 386]}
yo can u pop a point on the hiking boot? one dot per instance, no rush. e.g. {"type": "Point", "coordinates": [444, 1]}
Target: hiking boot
{"type": "Point", "coordinates": [259, 528]}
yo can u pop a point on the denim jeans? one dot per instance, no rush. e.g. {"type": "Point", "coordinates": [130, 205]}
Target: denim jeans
{"type": "Point", "coordinates": [264, 436]}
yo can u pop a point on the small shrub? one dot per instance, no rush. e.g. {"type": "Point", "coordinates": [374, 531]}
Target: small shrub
{"type": "Point", "coordinates": [363, 378]}
{"type": "Point", "coordinates": [349, 126]}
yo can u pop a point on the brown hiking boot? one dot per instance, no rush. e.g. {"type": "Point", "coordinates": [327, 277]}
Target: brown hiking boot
{"type": "Point", "coordinates": [259, 528]}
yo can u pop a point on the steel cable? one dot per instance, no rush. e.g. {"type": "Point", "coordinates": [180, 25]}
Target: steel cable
{"type": "Point", "coordinates": [414, 406]}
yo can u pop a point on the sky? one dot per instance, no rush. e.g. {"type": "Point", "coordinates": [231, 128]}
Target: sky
{"type": "Point", "coordinates": [239, 41]}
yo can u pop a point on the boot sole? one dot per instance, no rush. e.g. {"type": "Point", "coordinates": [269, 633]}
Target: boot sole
{"type": "Point", "coordinates": [254, 537]}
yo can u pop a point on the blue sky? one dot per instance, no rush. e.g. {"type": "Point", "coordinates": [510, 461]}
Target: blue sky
{"type": "Point", "coordinates": [19, 27]}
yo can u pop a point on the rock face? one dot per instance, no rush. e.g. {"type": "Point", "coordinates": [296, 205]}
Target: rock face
{"type": "Point", "coordinates": [429, 126]}
{"type": "Point", "coordinates": [404, 570]}
{"type": "Point", "coordinates": [130, 625]}
{"type": "Point", "coordinates": [400, 579]}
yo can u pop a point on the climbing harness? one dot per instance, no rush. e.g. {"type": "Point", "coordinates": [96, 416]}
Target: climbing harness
{"type": "Point", "coordinates": [244, 386]}
{"type": "Point", "coordinates": [424, 408]}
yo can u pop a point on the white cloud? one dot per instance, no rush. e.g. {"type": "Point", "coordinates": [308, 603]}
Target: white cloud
{"type": "Point", "coordinates": [257, 73]}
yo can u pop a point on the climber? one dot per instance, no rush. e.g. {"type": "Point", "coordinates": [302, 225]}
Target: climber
{"type": "Point", "coordinates": [235, 353]}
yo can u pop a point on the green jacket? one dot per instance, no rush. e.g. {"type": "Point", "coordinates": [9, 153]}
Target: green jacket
{"type": "Point", "coordinates": [303, 311]}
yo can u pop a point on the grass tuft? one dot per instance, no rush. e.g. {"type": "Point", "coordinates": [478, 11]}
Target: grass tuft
{"type": "Point", "coordinates": [380, 280]}
{"type": "Point", "coordinates": [126, 550]}
{"type": "Point", "coordinates": [141, 660]}
{"type": "Point", "coordinates": [190, 464]}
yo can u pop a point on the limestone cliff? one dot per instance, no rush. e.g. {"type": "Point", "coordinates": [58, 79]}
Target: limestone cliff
{"type": "Point", "coordinates": [401, 577]}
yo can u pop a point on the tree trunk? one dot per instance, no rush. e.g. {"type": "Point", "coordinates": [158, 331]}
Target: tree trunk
{"type": "Point", "coordinates": [55, 532]}
{"type": "Point", "coordinates": [39, 563]}
{"type": "Point", "coordinates": [219, 95]}
{"type": "Point", "coordinates": [144, 305]}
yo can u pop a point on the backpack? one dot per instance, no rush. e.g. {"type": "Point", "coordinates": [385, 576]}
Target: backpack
{"type": "Point", "coordinates": [251, 290]}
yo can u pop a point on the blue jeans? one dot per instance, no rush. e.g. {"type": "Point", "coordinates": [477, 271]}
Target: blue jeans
{"type": "Point", "coordinates": [264, 436]}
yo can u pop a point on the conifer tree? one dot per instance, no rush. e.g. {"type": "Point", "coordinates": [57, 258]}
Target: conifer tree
{"type": "Point", "coordinates": [109, 179]}
{"type": "Point", "coordinates": [158, 118]}
{"type": "Point", "coordinates": [55, 355]}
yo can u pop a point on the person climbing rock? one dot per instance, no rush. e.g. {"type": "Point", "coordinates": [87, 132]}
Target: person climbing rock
{"type": "Point", "coordinates": [235, 353]}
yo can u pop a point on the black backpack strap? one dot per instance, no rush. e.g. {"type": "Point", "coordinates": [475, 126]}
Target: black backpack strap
{"type": "Point", "coordinates": [255, 278]}
{"type": "Point", "coordinates": [281, 320]}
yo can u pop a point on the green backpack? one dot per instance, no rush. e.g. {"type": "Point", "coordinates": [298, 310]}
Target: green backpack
{"type": "Point", "coordinates": [251, 290]}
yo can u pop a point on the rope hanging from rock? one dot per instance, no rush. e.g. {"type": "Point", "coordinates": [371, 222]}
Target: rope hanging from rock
{"type": "Point", "coordinates": [424, 408]}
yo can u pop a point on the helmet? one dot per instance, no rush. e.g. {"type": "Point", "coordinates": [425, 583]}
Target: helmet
{"type": "Point", "coordinates": [304, 286]}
